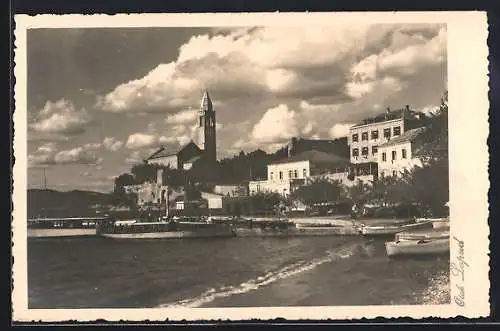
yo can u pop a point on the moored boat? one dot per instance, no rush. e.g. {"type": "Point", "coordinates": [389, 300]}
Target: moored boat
{"type": "Point", "coordinates": [437, 223]}
{"type": "Point", "coordinates": [163, 229]}
{"type": "Point", "coordinates": [63, 227]}
{"type": "Point", "coordinates": [390, 229]}
{"type": "Point", "coordinates": [422, 234]}
{"type": "Point", "coordinates": [417, 247]}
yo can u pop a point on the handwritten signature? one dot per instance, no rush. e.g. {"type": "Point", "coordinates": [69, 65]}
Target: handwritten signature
{"type": "Point", "coordinates": [458, 270]}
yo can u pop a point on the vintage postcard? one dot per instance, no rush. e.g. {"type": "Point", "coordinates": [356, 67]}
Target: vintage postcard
{"type": "Point", "coordinates": [241, 166]}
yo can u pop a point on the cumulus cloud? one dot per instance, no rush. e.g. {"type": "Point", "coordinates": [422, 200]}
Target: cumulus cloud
{"type": "Point", "coordinates": [112, 144]}
{"type": "Point", "coordinates": [141, 140]}
{"type": "Point", "coordinates": [277, 124]}
{"type": "Point", "coordinates": [180, 135]}
{"type": "Point", "coordinates": [134, 158]}
{"type": "Point", "coordinates": [48, 155]}
{"type": "Point", "coordinates": [61, 117]}
{"type": "Point", "coordinates": [266, 60]}
{"type": "Point", "coordinates": [186, 116]}
{"type": "Point", "coordinates": [340, 130]}
{"type": "Point", "coordinates": [429, 109]}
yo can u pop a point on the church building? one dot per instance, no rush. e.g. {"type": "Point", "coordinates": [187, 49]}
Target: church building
{"type": "Point", "coordinates": [203, 151]}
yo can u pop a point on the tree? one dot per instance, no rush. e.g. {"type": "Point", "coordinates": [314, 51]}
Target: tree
{"type": "Point", "coordinates": [265, 202]}
{"type": "Point", "coordinates": [430, 187]}
{"type": "Point", "coordinates": [359, 193]}
{"type": "Point", "coordinates": [434, 140]}
{"type": "Point", "coordinates": [124, 180]}
{"type": "Point", "coordinates": [319, 190]}
{"type": "Point", "coordinates": [144, 172]}
{"type": "Point", "coordinates": [430, 181]}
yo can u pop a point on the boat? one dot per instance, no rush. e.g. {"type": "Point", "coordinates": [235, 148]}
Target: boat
{"type": "Point", "coordinates": [390, 229]}
{"type": "Point", "coordinates": [422, 234]}
{"type": "Point", "coordinates": [417, 247]}
{"type": "Point", "coordinates": [175, 228]}
{"type": "Point", "coordinates": [63, 227]}
{"type": "Point", "coordinates": [437, 223]}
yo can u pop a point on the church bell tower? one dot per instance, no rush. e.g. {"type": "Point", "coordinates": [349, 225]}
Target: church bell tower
{"type": "Point", "coordinates": [206, 128]}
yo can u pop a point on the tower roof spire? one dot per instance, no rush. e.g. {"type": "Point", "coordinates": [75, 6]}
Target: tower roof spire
{"type": "Point", "coordinates": [206, 102]}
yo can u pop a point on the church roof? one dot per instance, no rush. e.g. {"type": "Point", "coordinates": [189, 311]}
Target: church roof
{"type": "Point", "coordinates": [408, 136]}
{"type": "Point", "coordinates": [164, 152]}
{"type": "Point", "coordinates": [316, 157]}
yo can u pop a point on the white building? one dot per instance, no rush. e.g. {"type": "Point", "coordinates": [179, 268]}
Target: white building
{"type": "Point", "coordinates": [398, 155]}
{"type": "Point", "coordinates": [214, 201]}
{"type": "Point", "coordinates": [366, 137]}
{"type": "Point", "coordinates": [284, 175]}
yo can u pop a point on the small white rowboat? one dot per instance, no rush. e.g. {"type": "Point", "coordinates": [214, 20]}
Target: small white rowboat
{"type": "Point", "coordinates": [374, 230]}
{"type": "Point", "coordinates": [417, 247]}
{"type": "Point", "coordinates": [422, 235]}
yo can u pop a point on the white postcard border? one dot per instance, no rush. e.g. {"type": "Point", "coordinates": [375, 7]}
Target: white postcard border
{"type": "Point", "coordinates": [468, 133]}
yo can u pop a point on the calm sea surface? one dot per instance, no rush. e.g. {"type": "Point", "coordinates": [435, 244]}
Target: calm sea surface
{"type": "Point", "coordinates": [237, 272]}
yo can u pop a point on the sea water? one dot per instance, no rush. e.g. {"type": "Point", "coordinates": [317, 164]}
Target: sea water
{"type": "Point", "coordinates": [228, 272]}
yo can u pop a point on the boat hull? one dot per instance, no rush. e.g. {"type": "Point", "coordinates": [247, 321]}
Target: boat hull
{"type": "Point", "coordinates": [392, 229]}
{"type": "Point", "coordinates": [61, 233]}
{"type": "Point", "coordinates": [415, 247]}
{"type": "Point", "coordinates": [441, 225]}
{"type": "Point", "coordinates": [422, 235]}
{"type": "Point", "coordinates": [170, 234]}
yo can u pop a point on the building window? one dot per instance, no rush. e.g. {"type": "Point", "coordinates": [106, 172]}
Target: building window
{"type": "Point", "coordinates": [304, 173]}
{"type": "Point", "coordinates": [387, 133]}
{"type": "Point", "coordinates": [403, 153]}
{"type": "Point", "coordinates": [355, 152]}
{"type": "Point", "coordinates": [397, 131]}
{"type": "Point", "coordinates": [201, 120]}
{"type": "Point", "coordinates": [364, 151]}
{"type": "Point", "coordinates": [384, 156]}
{"type": "Point", "coordinates": [295, 174]}
{"type": "Point", "coordinates": [355, 137]}
{"type": "Point", "coordinates": [364, 136]}
{"type": "Point", "coordinates": [394, 173]}
{"type": "Point", "coordinates": [374, 150]}
{"type": "Point", "coordinates": [271, 176]}
{"type": "Point", "coordinates": [375, 134]}
{"type": "Point", "coordinates": [281, 174]}
{"type": "Point", "coordinates": [393, 155]}
{"type": "Point", "coordinates": [289, 174]}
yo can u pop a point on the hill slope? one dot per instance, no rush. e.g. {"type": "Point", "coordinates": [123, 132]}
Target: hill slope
{"type": "Point", "coordinates": [52, 203]}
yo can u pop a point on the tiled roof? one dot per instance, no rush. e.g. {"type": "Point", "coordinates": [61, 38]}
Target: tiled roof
{"type": "Point", "coordinates": [408, 136]}
{"type": "Point", "coordinates": [315, 156]}
{"type": "Point", "coordinates": [163, 151]}
{"type": "Point", "coordinates": [388, 116]}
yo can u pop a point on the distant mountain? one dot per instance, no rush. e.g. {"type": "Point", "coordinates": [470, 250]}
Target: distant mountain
{"type": "Point", "coordinates": [52, 203]}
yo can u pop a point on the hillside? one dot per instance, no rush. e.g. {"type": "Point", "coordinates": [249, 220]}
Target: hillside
{"type": "Point", "coordinates": [52, 203]}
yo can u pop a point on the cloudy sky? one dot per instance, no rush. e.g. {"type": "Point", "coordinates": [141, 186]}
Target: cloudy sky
{"type": "Point", "coordinates": [100, 100]}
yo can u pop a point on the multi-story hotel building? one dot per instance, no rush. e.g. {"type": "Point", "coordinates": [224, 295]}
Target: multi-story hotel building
{"type": "Point", "coordinates": [366, 137]}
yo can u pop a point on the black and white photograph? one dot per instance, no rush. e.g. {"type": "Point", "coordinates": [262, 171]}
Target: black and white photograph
{"type": "Point", "coordinates": [254, 165]}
